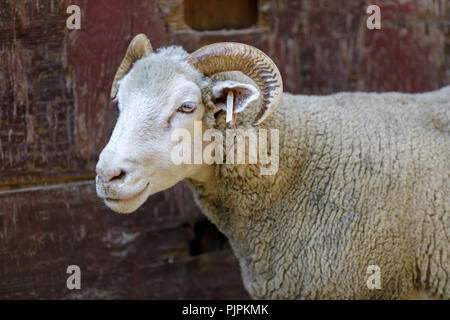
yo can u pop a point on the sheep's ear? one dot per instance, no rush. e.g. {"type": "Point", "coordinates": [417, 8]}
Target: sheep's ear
{"type": "Point", "coordinates": [243, 95]}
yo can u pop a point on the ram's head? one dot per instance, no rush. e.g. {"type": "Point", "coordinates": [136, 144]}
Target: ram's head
{"type": "Point", "coordinates": [159, 92]}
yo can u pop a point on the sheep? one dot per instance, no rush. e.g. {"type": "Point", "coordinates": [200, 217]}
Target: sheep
{"type": "Point", "coordinates": [363, 178]}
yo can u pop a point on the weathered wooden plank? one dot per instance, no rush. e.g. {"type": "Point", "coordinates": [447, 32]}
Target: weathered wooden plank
{"type": "Point", "coordinates": [324, 46]}
{"type": "Point", "coordinates": [213, 275]}
{"type": "Point", "coordinates": [55, 111]}
{"type": "Point", "coordinates": [217, 14]}
{"type": "Point", "coordinates": [45, 229]}
{"type": "Point", "coordinates": [209, 276]}
{"type": "Point", "coordinates": [411, 52]}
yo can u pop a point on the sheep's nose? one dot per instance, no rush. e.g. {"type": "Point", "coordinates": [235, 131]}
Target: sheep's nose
{"type": "Point", "coordinates": [110, 174]}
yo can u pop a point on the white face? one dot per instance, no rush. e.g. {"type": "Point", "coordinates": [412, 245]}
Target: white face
{"type": "Point", "coordinates": [136, 162]}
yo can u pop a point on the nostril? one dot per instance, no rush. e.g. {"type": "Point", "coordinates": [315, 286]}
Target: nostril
{"type": "Point", "coordinates": [116, 175]}
{"type": "Point", "coordinates": [110, 175]}
{"type": "Point", "coordinates": [120, 175]}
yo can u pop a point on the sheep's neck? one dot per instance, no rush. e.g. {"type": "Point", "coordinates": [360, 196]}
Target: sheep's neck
{"type": "Point", "coordinates": [202, 174]}
{"type": "Point", "coordinates": [238, 205]}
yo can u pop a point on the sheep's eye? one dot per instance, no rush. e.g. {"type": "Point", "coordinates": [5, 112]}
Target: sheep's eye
{"type": "Point", "coordinates": [187, 107]}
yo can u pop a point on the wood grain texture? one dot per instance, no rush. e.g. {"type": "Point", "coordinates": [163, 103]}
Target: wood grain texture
{"type": "Point", "coordinates": [144, 255]}
{"type": "Point", "coordinates": [218, 14]}
{"type": "Point", "coordinates": [325, 47]}
{"type": "Point", "coordinates": [55, 113]}
{"type": "Point", "coordinates": [37, 113]}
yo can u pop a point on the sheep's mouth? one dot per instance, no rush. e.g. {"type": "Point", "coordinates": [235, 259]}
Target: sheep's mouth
{"type": "Point", "coordinates": [136, 195]}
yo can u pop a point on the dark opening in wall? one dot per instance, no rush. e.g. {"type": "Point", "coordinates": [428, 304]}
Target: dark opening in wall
{"type": "Point", "coordinates": [207, 239]}
{"type": "Point", "coordinates": [220, 14]}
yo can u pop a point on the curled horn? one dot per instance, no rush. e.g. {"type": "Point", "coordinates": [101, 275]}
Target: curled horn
{"type": "Point", "coordinates": [232, 56]}
{"type": "Point", "coordinates": [139, 47]}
